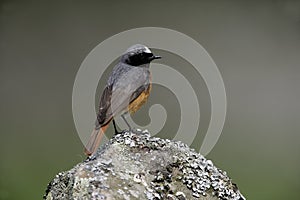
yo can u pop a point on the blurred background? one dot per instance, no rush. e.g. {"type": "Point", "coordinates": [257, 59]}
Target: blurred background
{"type": "Point", "coordinates": [255, 44]}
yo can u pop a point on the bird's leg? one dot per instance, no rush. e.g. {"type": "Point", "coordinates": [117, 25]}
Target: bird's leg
{"type": "Point", "coordinates": [115, 127]}
{"type": "Point", "coordinates": [123, 117]}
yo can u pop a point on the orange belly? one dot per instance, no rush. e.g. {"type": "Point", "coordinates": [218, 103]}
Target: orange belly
{"type": "Point", "coordinates": [139, 101]}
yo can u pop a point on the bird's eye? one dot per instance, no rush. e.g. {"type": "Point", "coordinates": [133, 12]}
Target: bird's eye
{"type": "Point", "coordinates": [143, 54]}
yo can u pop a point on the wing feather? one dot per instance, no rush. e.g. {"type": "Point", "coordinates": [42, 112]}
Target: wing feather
{"type": "Point", "coordinates": [116, 97]}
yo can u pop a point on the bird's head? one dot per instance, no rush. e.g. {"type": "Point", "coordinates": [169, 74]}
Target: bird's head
{"type": "Point", "coordinates": [137, 55]}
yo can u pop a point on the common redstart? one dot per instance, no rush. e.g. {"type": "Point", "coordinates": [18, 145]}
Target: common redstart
{"type": "Point", "coordinates": [127, 89]}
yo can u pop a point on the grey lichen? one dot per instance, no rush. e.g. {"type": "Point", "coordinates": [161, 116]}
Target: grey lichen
{"type": "Point", "coordinates": [133, 165]}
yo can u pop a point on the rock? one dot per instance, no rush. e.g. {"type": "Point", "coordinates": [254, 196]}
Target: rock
{"type": "Point", "coordinates": [133, 165]}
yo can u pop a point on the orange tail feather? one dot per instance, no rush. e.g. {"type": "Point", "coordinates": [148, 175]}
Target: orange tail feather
{"type": "Point", "coordinates": [95, 140]}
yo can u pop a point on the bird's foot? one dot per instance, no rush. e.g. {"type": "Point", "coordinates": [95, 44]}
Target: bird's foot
{"type": "Point", "coordinates": [118, 132]}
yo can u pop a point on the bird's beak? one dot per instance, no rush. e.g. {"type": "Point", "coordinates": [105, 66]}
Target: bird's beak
{"type": "Point", "coordinates": [155, 57]}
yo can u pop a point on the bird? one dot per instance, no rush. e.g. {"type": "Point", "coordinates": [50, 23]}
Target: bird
{"type": "Point", "coordinates": [127, 89]}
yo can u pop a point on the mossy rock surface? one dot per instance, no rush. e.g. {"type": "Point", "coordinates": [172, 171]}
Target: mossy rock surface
{"type": "Point", "coordinates": [133, 165]}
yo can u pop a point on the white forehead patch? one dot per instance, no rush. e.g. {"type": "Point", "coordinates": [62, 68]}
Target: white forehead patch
{"type": "Point", "coordinates": [147, 50]}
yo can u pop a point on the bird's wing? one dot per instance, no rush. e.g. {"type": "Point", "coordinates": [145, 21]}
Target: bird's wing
{"type": "Point", "coordinates": [116, 98]}
{"type": "Point", "coordinates": [104, 106]}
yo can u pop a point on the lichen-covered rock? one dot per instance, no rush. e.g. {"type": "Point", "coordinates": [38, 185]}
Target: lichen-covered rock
{"type": "Point", "coordinates": [133, 165]}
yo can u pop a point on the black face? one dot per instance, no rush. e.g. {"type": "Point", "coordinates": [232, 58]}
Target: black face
{"type": "Point", "coordinates": [138, 58]}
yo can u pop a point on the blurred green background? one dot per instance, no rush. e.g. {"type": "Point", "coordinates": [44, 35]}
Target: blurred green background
{"type": "Point", "coordinates": [256, 45]}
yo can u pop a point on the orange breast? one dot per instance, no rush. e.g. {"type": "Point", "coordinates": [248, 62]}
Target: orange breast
{"type": "Point", "coordinates": [139, 101]}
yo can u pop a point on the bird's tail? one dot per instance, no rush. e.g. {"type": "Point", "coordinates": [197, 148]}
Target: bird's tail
{"type": "Point", "coordinates": [95, 140]}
